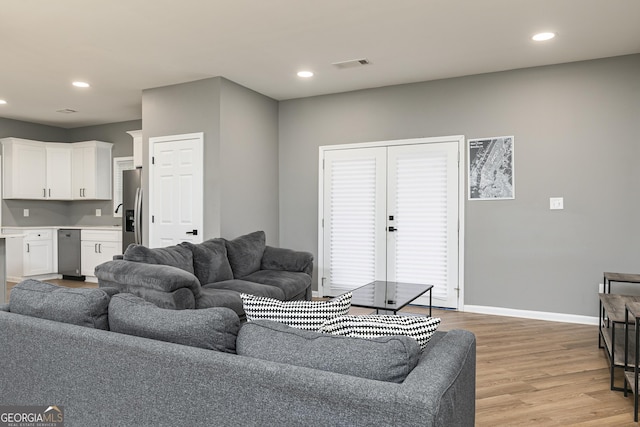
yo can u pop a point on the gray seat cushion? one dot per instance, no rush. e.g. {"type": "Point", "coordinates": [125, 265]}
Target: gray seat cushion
{"type": "Point", "coordinates": [245, 253]}
{"type": "Point", "coordinates": [211, 328]}
{"type": "Point", "coordinates": [174, 256]}
{"type": "Point", "coordinates": [252, 288]}
{"type": "Point", "coordinates": [293, 284]}
{"type": "Point", "coordinates": [385, 359]}
{"type": "Point", "coordinates": [78, 306]}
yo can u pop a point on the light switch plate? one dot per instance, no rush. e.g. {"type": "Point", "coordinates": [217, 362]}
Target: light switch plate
{"type": "Point", "coordinates": [556, 203]}
{"type": "Point", "coordinates": [25, 212]}
{"type": "Point", "coordinates": [98, 212]}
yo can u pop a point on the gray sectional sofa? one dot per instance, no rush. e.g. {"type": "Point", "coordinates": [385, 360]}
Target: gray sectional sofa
{"type": "Point", "coordinates": [210, 274]}
{"type": "Point", "coordinates": [110, 359]}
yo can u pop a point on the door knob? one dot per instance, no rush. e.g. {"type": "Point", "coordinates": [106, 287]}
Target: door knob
{"type": "Point", "coordinates": [392, 229]}
{"type": "Point", "coordinates": [194, 232]}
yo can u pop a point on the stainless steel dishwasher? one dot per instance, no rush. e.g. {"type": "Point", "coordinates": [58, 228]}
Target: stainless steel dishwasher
{"type": "Point", "coordinates": [69, 254]}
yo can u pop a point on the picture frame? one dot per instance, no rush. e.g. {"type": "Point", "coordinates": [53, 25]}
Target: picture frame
{"type": "Point", "coordinates": [490, 172]}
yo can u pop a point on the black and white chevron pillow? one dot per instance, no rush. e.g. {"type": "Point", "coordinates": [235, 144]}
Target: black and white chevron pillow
{"type": "Point", "coordinates": [308, 315]}
{"type": "Point", "coordinates": [417, 327]}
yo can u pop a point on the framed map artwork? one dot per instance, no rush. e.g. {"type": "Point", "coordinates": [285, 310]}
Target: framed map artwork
{"type": "Point", "coordinates": [490, 173]}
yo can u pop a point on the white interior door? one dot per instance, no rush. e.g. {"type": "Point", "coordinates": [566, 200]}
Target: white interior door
{"type": "Point", "coordinates": [176, 189]}
{"type": "Point", "coordinates": [391, 212]}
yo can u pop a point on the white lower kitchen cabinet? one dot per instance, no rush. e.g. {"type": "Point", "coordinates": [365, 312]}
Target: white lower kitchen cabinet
{"type": "Point", "coordinates": [98, 246]}
{"type": "Point", "coordinates": [31, 254]}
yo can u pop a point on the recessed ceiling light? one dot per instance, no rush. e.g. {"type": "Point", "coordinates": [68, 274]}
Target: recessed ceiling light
{"type": "Point", "coordinates": [305, 74]}
{"type": "Point", "coordinates": [2, 101]}
{"type": "Point", "coordinates": [540, 37]}
{"type": "Point", "coordinates": [80, 84]}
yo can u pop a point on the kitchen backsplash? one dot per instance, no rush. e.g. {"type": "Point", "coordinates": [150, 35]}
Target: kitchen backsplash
{"type": "Point", "coordinates": [58, 213]}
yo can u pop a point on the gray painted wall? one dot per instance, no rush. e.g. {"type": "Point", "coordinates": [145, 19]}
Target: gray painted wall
{"type": "Point", "coordinates": [249, 162]}
{"type": "Point", "coordinates": [576, 127]}
{"type": "Point", "coordinates": [240, 150]}
{"type": "Point", "coordinates": [181, 109]}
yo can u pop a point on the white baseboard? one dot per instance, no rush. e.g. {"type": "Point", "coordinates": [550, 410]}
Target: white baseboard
{"type": "Point", "coordinates": [537, 315]}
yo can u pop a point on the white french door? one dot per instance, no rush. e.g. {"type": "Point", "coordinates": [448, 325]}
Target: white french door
{"type": "Point", "coordinates": [391, 212]}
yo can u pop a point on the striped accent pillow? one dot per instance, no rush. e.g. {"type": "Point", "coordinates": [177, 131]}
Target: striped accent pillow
{"type": "Point", "coordinates": [417, 327]}
{"type": "Point", "coordinates": [307, 315]}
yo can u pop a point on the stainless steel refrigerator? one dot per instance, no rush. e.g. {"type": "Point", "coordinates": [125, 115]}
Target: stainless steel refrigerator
{"type": "Point", "coordinates": [131, 207]}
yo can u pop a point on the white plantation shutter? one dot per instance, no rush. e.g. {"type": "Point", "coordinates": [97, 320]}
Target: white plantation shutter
{"type": "Point", "coordinates": [425, 215]}
{"type": "Point", "coordinates": [354, 197]}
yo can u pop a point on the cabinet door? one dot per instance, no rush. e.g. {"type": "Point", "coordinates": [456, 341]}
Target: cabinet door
{"type": "Point", "coordinates": [95, 252]}
{"type": "Point", "coordinates": [92, 170]}
{"type": "Point", "coordinates": [38, 257]}
{"type": "Point", "coordinates": [59, 172]}
{"type": "Point", "coordinates": [28, 172]}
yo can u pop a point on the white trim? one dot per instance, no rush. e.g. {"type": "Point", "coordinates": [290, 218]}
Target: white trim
{"type": "Point", "coordinates": [117, 161]}
{"type": "Point", "coordinates": [537, 315]}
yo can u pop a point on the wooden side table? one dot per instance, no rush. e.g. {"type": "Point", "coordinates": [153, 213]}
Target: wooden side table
{"type": "Point", "coordinates": [618, 277]}
{"type": "Point", "coordinates": [611, 324]}
{"type": "Point", "coordinates": [632, 310]}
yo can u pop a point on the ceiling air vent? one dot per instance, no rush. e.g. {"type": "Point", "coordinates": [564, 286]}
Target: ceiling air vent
{"type": "Point", "coordinates": [352, 63]}
{"type": "Point", "coordinates": [66, 111]}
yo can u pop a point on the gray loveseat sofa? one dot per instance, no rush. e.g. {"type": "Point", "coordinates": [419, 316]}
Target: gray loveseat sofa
{"type": "Point", "coordinates": [113, 364]}
{"type": "Point", "coordinates": [210, 274]}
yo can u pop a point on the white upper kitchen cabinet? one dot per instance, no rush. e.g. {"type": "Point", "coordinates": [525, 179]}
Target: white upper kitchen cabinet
{"type": "Point", "coordinates": [24, 163]}
{"type": "Point", "coordinates": [91, 172]}
{"type": "Point", "coordinates": [58, 180]}
{"type": "Point", "coordinates": [56, 170]}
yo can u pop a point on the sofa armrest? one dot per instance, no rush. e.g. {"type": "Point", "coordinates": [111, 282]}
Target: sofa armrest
{"type": "Point", "coordinates": [162, 278]}
{"type": "Point", "coordinates": [287, 260]}
{"type": "Point", "coordinates": [450, 367]}
{"type": "Point", "coordinates": [4, 307]}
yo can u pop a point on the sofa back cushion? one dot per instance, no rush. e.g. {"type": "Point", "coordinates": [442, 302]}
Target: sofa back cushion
{"type": "Point", "coordinates": [174, 256]}
{"type": "Point", "coordinates": [78, 306]}
{"type": "Point", "coordinates": [384, 359]}
{"type": "Point", "coordinates": [210, 328]}
{"type": "Point", "coordinates": [210, 262]}
{"type": "Point", "coordinates": [245, 253]}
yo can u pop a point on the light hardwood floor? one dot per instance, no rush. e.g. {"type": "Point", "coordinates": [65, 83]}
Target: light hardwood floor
{"type": "Point", "coordinates": [532, 372]}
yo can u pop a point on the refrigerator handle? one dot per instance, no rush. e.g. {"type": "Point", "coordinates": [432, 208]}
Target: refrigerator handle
{"type": "Point", "coordinates": [137, 219]}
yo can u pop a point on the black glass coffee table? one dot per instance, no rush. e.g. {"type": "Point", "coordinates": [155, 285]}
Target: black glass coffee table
{"type": "Point", "coordinates": [382, 295]}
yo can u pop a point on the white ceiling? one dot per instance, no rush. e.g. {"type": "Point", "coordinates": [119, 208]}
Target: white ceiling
{"type": "Point", "coordinates": [124, 46]}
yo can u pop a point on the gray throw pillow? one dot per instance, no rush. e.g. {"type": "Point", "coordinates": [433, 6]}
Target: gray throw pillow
{"type": "Point", "coordinates": [383, 359]}
{"type": "Point", "coordinates": [245, 253]}
{"type": "Point", "coordinates": [210, 262]}
{"type": "Point", "coordinates": [78, 306]}
{"type": "Point", "coordinates": [210, 328]}
{"type": "Point", "coordinates": [174, 256]}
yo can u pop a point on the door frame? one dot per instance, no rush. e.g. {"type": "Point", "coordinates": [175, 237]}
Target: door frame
{"type": "Point", "coordinates": [171, 138]}
{"type": "Point", "coordinates": [459, 139]}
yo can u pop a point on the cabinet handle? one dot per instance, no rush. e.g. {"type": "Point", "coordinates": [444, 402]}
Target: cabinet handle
{"type": "Point", "coordinates": [44, 192]}
{"type": "Point", "coordinates": [28, 248]}
{"type": "Point", "coordinates": [99, 248]}
{"type": "Point", "coordinates": [49, 192]}
{"type": "Point", "coordinates": [95, 247]}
